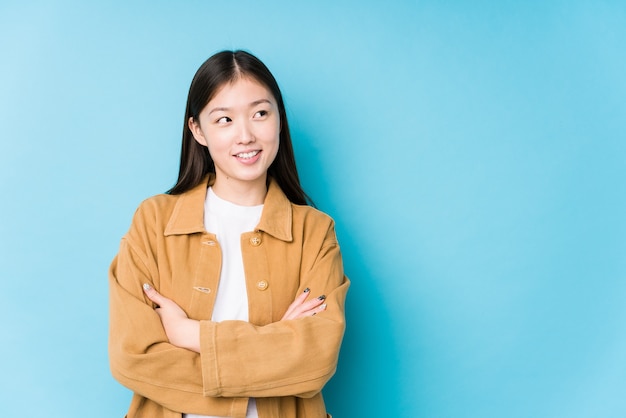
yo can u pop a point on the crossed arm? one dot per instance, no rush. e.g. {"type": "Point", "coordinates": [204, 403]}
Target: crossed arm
{"type": "Point", "coordinates": [184, 332]}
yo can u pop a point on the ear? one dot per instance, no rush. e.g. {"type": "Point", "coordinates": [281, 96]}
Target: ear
{"type": "Point", "coordinates": [196, 131]}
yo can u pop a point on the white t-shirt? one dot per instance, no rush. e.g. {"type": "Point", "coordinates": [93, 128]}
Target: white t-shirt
{"type": "Point", "coordinates": [228, 221]}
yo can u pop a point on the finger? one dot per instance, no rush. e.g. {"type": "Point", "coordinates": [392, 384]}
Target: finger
{"type": "Point", "coordinates": [153, 295]}
{"type": "Point", "coordinates": [311, 304]}
{"type": "Point", "coordinates": [306, 308]}
{"type": "Point", "coordinates": [297, 302]}
{"type": "Point", "coordinates": [319, 309]}
{"type": "Point", "coordinates": [311, 312]}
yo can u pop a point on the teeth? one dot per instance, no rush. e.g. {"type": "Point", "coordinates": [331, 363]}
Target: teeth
{"type": "Point", "coordinates": [247, 154]}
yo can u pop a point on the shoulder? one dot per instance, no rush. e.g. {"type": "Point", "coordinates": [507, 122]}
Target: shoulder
{"type": "Point", "coordinates": [315, 225]}
{"type": "Point", "coordinates": [175, 214]}
{"type": "Point", "coordinates": [152, 216]}
{"type": "Point", "coordinates": [309, 214]}
{"type": "Point", "coordinates": [158, 206]}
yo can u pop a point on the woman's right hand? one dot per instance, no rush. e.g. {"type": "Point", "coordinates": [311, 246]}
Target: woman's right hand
{"type": "Point", "coordinates": [180, 330]}
{"type": "Point", "coordinates": [301, 308]}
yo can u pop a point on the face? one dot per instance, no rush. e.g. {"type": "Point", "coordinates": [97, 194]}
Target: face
{"type": "Point", "coordinates": [241, 127]}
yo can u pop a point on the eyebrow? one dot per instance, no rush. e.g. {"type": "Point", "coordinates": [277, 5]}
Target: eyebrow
{"type": "Point", "coordinates": [253, 104]}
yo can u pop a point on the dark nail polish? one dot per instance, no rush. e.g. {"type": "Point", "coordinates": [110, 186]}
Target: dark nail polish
{"type": "Point", "coordinates": [322, 297]}
{"type": "Point", "coordinates": [307, 290]}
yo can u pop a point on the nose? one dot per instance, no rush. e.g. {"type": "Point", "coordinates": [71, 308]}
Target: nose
{"type": "Point", "coordinates": [246, 136]}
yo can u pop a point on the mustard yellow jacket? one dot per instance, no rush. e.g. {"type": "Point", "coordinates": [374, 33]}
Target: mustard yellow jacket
{"type": "Point", "coordinates": [284, 364]}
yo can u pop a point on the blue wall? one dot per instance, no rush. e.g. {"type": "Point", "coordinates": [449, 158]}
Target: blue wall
{"type": "Point", "coordinates": [473, 155]}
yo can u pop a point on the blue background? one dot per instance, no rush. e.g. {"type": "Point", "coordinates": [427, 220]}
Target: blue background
{"type": "Point", "coordinates": [473, 155]}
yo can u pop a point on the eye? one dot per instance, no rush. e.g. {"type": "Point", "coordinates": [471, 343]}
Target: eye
{"type": "Point", "coordinates": [223, 120]}
{"type": "Point", "coordinates": [260, 114]}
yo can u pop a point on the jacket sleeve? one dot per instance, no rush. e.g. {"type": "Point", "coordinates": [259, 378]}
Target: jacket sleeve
{"type": "Point", "coordinates": [292, 357]}
{"type": "Point", "coordinates": [141, 358]}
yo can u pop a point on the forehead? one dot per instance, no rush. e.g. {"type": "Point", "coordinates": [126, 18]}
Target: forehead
{"type": "Point", "coordinates": [241, 91]}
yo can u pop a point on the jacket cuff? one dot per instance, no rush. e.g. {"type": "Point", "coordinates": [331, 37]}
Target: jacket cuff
{"type": "Point", "coordinates": [208, 359]}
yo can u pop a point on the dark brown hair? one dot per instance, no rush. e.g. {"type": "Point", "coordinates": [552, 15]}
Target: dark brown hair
{"type": "Point", "coordinates": [195, 160]}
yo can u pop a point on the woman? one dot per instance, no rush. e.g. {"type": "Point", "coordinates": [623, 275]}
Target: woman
{"type": "Point", "coordinates": [211, 310]}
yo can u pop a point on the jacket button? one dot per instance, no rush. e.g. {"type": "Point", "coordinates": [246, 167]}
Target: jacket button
{"type": "Point", "coordinates": [262, 285]}
{"type": "Point", "coordinates": [255, 241]}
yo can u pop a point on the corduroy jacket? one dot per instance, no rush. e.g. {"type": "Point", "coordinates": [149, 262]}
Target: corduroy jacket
{"type": "Point", "coordinates": [283, 364]}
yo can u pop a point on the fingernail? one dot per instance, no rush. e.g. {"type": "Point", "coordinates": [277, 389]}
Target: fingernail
{"type": "Point", "coordinates": [323, 306]}
{"type": "Point", "coordinates": [307, 290]}
{"type": "Point", "coordinates": [146, 287]}
{"type": "Point", "coordinates": [322, 297]}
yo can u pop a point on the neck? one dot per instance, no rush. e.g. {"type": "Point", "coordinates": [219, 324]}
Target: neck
{"type": "Point", "coordinates": [241, 193]}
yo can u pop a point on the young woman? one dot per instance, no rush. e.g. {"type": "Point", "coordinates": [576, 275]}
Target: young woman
{"type": "Point", "coordinates": [227, 295]}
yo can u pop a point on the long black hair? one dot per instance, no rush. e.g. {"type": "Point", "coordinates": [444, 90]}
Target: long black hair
{"type": "Point", "coordinates": [195, 160]}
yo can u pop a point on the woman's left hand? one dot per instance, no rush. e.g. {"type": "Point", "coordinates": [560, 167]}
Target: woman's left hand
{"type": "Point", "coordinates": [301, 308]}
{"type": "Point", "coordinates": [181, 331]}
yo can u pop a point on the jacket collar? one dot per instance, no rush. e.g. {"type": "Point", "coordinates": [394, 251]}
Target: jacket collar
{"type": "Point", "coordinates": [188, 214]}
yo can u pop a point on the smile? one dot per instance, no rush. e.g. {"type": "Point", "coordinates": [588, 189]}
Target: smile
{"type": "Point", "coordinates": [247, 155]}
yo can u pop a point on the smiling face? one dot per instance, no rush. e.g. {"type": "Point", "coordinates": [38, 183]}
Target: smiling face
{"type": "Point", "coordinates": [240, 126]}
